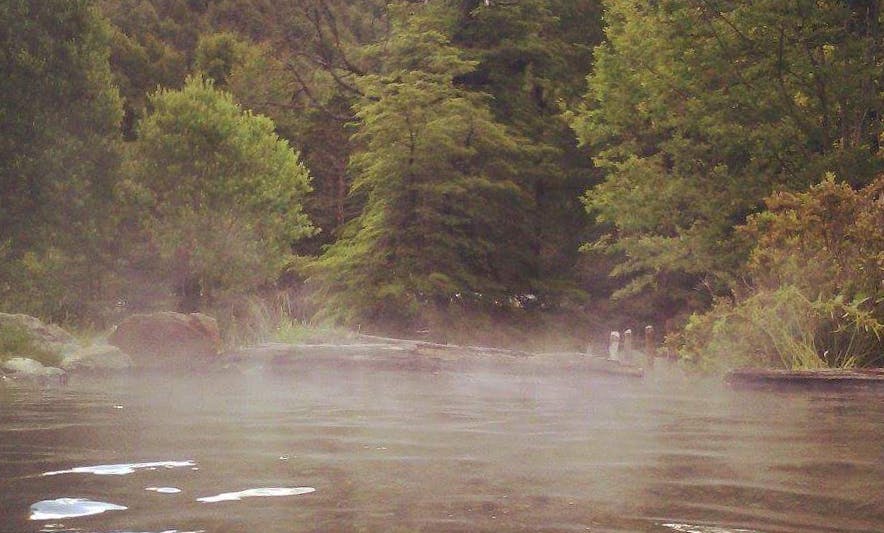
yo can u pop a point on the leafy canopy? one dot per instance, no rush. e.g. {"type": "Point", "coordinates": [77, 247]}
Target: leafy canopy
{"type": "Point", "coordinates": [697, 110]}
{"type": "Point", "coordinates": [59, 116]}
{"type": "Point", "coordinates": [219, 192]}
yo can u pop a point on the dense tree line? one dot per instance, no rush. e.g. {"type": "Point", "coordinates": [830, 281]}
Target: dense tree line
{"type": "Point", "coordinates": [451, 164]}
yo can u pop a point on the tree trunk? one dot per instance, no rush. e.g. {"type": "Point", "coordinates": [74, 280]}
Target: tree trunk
{"type": "Point", "coordinates": [189, 293]}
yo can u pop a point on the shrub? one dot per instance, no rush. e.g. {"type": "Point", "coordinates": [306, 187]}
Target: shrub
{"type": "Point", "coordinates": [815, 295]}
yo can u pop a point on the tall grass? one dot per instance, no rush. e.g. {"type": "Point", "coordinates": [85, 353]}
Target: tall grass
{"type": "Point", "coordinates": [274, 318]}
{"type": "Point", "coordinates": [784, 328]}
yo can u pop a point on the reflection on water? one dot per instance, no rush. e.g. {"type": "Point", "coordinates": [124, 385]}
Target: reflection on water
{"type": "Point", "coordinates": [120, 469]}
{"type": "Point", "coordinates": [164, 490]}
{"type": "Point", "coordinates": [466, 451]}
{"type": "Point", "coordinates": [70, 508]}
{"type": "Point", "coordinates": [688, 528]}
{"type": "Point", "coordinates": [252, 493]}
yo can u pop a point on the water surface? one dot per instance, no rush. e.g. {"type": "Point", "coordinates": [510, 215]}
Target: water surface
{"type": "Point", "coordinates": [336, 449]}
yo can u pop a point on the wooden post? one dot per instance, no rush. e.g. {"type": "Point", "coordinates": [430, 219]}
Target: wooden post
{"type": "Point", "coordinates": [650, 346]}
{"type": "Point", "coordinates": [614, 346]}
{"type": "Point", "coordinates": [627, 347]}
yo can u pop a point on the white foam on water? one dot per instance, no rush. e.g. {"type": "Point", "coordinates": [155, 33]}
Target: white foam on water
{"type": "Point", "coordinates": [688, 528]}
{"type": "Point", "coordinates": [70, 508]}
{"type": "Point", "coordinates": [164, 490]}
{"type": "Point", "coordinates": [249, 493]}
{"type": "Point", "coordinates": [120, 469]}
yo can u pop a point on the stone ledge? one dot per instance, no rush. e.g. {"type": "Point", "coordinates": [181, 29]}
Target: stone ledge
{"type": "Point", "coordinates": [834, 377]}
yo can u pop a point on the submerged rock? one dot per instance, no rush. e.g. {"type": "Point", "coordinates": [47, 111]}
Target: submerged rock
{"type": "Point", "coordinates": [24, 367]}
{"type": "Point", "coordinates": [98, 357]}
{"type": "Point", "coordinates": [165, 338]}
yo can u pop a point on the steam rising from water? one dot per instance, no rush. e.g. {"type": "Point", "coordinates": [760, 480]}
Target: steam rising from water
{"type": "Point", "coordinates": [488, 450]}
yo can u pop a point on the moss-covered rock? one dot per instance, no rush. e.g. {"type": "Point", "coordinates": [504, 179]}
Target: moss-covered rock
{"type": "Point", "coordinates": [29, 337]}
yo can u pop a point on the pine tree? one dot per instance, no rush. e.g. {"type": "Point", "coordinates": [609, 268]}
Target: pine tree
{"type": "Point", "coordinates": [441, 227]}
{"type": "Point", "coordinates": [530, 58]}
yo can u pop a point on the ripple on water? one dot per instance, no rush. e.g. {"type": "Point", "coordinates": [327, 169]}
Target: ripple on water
{"type": "Point", "coordinates": [248, 493]}
{"type": "Point", "coordinates": [120, 469]}
{"type": "Point", "coordinates": [70, 508]}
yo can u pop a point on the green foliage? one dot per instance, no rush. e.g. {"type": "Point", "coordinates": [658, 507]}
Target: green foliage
{"type": "Point", "coordinates": [217, 55]}
{"type": "Point", "coordinates": [152, 46]}
{"type": "Point", "coordinates": [698, 110]}
{"type": "Point", "coordinates": [59, 114]}
{"type": "Point", "coordinates": [297, 332]}
{"type": "Point", "coordinates": [16, 341]}
{"type": "Point", "coordinates": [767, 329]}
{"type": "Point", "coordinates": [266, 83]}
{"type": "Point", "coordinates": [816, 298]}
{"type": "Point", "coordinates": [449, 146]}
{"type": "Point", "coordinates": [531, 58]}
{"type": "Point", "coordinates": [215, 192]}
{"type": "Point", "coordinates": [433, 164]}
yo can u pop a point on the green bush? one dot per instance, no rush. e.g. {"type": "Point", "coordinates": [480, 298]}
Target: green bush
{"type": "Point", "coordinates": [814, 297]}
{"type": "Point", "coordinates": [213, 195]}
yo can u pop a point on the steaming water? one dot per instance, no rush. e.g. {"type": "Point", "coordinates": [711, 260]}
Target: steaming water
{"type": "Point", "coordinates": [336, 449]}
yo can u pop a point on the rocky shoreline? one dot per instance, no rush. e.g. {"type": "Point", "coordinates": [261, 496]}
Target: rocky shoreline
{"type": "Point", "coordinates": [31, 350]}
{"type": "Point", "coordinates": [405, 354]}
{"type": "Point", "coordinates": [174, 342]}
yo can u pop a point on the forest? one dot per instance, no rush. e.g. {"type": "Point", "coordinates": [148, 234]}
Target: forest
{"type": "Point", "coordinates": [505, 172]}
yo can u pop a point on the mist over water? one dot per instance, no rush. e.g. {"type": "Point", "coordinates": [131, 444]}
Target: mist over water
{"type": "Point", "coordinates": [480, 450]}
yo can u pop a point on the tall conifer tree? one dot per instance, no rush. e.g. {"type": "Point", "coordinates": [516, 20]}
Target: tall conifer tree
{"type": "Point", "coordinates": [442, 222]}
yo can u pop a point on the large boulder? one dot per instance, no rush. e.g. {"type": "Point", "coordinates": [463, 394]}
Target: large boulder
{"type": "Point", "coordinates": [164, 338]}
{"type": "Point", "coordinates": [97, 358]}
{"type": "Point", "coordinates": [34, 338]}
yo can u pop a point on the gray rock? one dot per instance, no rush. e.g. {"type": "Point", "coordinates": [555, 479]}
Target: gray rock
{"type": "Point", "coordinates": [22, 366]}
{"type": "Point", "coordinates": [97, 357]}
